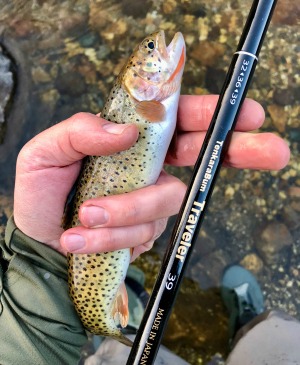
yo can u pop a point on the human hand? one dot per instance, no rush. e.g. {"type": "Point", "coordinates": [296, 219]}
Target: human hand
{"type": "Point", "coordinates": [47, 168]}
{"type": "Point", "coordinates": [263, 151]}
{"type": "Point", "coordinates": [49, 164]}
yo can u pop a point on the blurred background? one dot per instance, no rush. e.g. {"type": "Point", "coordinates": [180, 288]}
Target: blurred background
{"type": "Point", "coordinates": [61, 57]}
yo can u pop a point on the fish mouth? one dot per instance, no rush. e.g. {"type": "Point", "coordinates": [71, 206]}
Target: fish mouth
{"type": "Point", "coordinates": [175, 51]}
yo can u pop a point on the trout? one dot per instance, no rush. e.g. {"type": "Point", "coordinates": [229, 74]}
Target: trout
{"type": "Point", "coordinates": [145, 93]}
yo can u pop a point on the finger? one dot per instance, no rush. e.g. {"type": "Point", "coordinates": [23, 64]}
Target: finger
{"type": "Point", "coordinates": [69, 141]}
{"type": "Point", "coordinates": [246, 150]}
{"type": "Point", "coordinates": [195, 113]}
{"type": "Point", "coordinates": [264, 151]}
{"type": "Point", "coordinates": [92, 240]}
{"type": "Point", "coordinates": [144, 205]}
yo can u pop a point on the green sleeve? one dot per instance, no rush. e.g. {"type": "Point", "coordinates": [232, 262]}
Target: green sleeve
{"type": "Point", "coordinates": [38, 322]}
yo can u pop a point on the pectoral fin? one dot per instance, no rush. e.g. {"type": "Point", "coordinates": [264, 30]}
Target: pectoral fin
{"type": "Point", "coordinates": [120, 308]}
{"type": "Point", "coordinates": [152, 110]}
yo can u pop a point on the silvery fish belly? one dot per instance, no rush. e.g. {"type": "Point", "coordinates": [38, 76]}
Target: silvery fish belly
{"type": "Point", "coordinates": [145, 93]}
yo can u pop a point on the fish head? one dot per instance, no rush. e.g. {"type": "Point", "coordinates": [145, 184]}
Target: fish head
{"type": "Point", "coordinates": [154, 70]}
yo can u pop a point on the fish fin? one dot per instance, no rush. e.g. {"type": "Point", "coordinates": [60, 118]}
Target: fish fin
{"type": "Point", "coordinates": [168, 89]}
{"type": "Point", "coordinates": [173, 145]}
{"type": "Point", "coordinates": [120, 308]}
{"type": "Point", "coordinates": [174, 82]}
{"type": "Point", "coordinates": [152, 110]}
{"type": "Point", "coordinates": [123, 339]}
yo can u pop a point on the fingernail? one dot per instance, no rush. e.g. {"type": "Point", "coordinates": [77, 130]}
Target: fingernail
{"type": "Point", "coordinates": [94, 216]}
{"type": "Point", "coordinates": [114, 128]}
{"type": "Point", "coordinates": [74, 242]}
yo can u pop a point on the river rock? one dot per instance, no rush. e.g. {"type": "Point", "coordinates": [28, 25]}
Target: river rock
{"type": "Point", "coordinates": [274, 238]}
{"type": "Point", "coordinates": [17, 109]}
{"type": "Point", "coordinates": [291, 217]}
{"type": "Point", "coordinates": [137, 9]}
{"type": "Point", "coordinates": [208, 54]}
{"type": "Point", "coordinates": [294, 192]}
{"type": "Point", "coordinates": [214, 79]}
{"type": "Point", "coordinates": [6, 85]}
{"type": "Point", "coordinates": [278, 116]}
{"type": "Point", "coordinates": [252, 262]}
{"type": "Point", "coordinates": [287, 12]}
{"type": "Point", "coordinates": [284, 97]}
{"type": "Point", "coordinates": [70, 83]}
{"type": "Point", "coordinates": [205, 245]}
{"type": "Point", "coordinates": [209, 269]}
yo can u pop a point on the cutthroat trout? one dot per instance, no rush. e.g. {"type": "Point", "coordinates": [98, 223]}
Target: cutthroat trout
{"type": "Point", "coordinates": [145, 93]}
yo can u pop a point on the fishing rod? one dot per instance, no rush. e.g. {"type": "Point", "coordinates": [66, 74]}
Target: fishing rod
{"type": "Point", "coordinates": [200, 188]}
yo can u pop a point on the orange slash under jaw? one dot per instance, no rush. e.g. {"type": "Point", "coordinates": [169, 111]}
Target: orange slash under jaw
{"type": "Point", "coordinates": [179, 65]}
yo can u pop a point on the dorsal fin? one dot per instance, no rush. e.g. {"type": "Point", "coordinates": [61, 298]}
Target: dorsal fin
{"type": "Point", "coordinates": [152, 110]}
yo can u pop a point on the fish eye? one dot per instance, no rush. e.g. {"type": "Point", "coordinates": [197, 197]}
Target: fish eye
{"type": "Point", "coordinates": [148, 45]}
{"type": "Point", "coordinates": [151, 45]}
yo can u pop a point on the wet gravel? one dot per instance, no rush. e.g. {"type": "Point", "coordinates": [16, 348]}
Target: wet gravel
{"type": "Point", "coordinates": [68, 65]}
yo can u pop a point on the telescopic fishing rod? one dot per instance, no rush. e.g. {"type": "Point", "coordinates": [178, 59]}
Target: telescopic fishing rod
{"type": "Point", "coordinates": [200, 188]}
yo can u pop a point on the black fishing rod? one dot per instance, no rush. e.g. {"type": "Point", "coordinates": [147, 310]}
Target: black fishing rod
{"type": "Point", "coordinates": [200, 188]}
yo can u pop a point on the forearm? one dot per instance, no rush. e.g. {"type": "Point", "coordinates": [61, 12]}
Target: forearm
{"type": "Point", "coordinates": [38, 323]}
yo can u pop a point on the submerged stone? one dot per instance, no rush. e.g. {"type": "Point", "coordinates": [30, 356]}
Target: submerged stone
{"type": "Point", "coordinates": [274, 238]}
{"type": "Point", "coordinates": [6, 88]}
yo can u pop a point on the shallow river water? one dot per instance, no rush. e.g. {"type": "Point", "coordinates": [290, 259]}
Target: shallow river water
{"type": "Point", "coordinates": [61, 57]}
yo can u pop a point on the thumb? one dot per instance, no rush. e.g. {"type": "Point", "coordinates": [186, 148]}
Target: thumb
{"type": "Point", "coordinates": [71, 140]}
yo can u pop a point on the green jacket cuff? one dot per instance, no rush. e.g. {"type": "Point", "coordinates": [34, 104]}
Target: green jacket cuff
{"type": "Point", "coordinates": [38, 321]}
